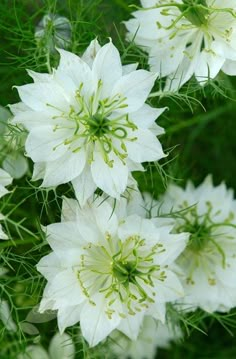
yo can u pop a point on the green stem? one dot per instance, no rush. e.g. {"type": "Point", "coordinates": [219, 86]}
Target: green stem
{"type": "Point", "coordinates": [17, 242]}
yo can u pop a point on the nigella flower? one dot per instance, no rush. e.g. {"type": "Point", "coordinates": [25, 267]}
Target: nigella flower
{"type": "Point", "coordinates": [108, 272]}
{"type": "Point", "coordinates": [186, 37]}
{"type": "Point", "coordinates": [208, 213]}
{"type": "Point", "coordinates": [88, 122]}
{"type": "Point", "coordinates": [5, 180]}
{"type": "Point", "coordinates": [153, 335]}
{"type": "Point", "coordinates": [53, 31]}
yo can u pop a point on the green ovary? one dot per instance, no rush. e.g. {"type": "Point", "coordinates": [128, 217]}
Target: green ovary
{"type": "Point", "coordinates": [199, 237]}
{"type": "Point", "coordinates": [196, 12]}
{"type": "Point", "coordinates": [98, 125]}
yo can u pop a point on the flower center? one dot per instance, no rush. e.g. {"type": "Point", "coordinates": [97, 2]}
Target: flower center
{"type": "Point", "coordinates": [97, 121]}
{"type": "Point", "coordinates": [126, 277]}
{"type": "Point", "coordinates": [98, 125]}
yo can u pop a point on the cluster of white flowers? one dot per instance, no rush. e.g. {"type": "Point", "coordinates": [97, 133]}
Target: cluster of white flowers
{"type": "Point", "coordinates": [186, 37]}
{"type": "Point", "coordinates": [117, 259]}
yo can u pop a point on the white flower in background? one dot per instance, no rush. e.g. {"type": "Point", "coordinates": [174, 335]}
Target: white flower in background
{"type": "Point", "coordinates": [5, 313]}
{"type": "Point", "coordinates": [5, 316]}
{"type": "Point", "coordinates": [186, 38]}
{"type": "Point", "coordinates": [61, 347]}
{"type": "Point", "coordinates": [4, 116]}
{"type": "Point", "coordinates": [5, 180]}
{"type": "Point", "coordinates": [209, 260]}
{"type": "Point", "coordinates": [53, 31]}
{"type": "Point", "coordinates": [88, 123]}
{"type": "Point", "coordinates": [153, 335]}
{"type": "Point", "coordinates": [11, 143]}
{"type": "Point", "coordinates": [108, 272]}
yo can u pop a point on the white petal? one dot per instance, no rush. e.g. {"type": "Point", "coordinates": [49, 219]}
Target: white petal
{"type": "Point", "coordinates": [64, 235]}
{"type": "Point", "coordinates": [112, 180]}
{"type": "Point", "coordinates": [145, 117]}
{"type": "Point", "coordinates": [44, 96]}
{"type": "Point", "coordinates": [61, 347]}
{"type": "Point", "coordinates": [15, 164]}
{"type": "Point", "coordinates": [135, 87]}
{"type": "Point", "coordinates": [91, 52]}
{"type": "Point", "coordinates": [45, 144]}
{"type": "Point", "coordinates": [135, 225]}
{"type": "Point", "coordinates": [49, 266]}
{"type": "Point", "coordinates": [39, 171]}
{"type": "Point", "coordinates": [84, 185]}
{"type": "Point", "coordinates": [69, 209]}
{"type": "Point", "coordinates": [39, 77]}
{"type": "Point", "coordinates": [229, 68]}
{"type": "Point", "coordinates": [165, 59]}
{"type": "Point", "coordinates": [107, 68]}
{"type": "Point", "coordinates": [5, 178]}
{"type": "Point", "coordinates": [126, 69]}
{"type": "Point", "coordinates": [71, 65]}
{"type": "Point", "coordinates": [64, 169]}
{"type": "Point", "coordinates": [95, 324]}
{"type": "Point", "coordinates": [146, 148]}
{"type": "Point", "coordinates": [65, 289]}
{"type": "Point", "coordinates": [209, 64]}
{"type": "Point", "coordinates": [96, 220]}
{"type": "Point", "coordinates": [34, 352]}
{"type": "Point", "coordinates": [68, 316]}
{"type": "Point", "coordinates": [130, 326]}
{"type": "Point", "coordinates": [3, 234]}
{"type": "Point", "coordinates": [5, 316]}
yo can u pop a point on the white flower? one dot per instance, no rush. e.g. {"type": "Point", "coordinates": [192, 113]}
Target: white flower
{"type": "Point", "coordinates": [60, 347]}
{"type": "Point", "coordinates": [89, 124]}
{"type": "Point", "coordinates": [5, 180]}
{"type": "Point", "coordinates": [5, 316]}
{"type": "Point", "coordinates": [11, 143]}
{"type": "Point", "coordinates": [153, 335]}
{"type": "Point", "coordinates": [53, 30]}
{"type": "Point", "coordinates": [5, 313]}
{"type": "Point", "coordinates": [108, 272]}
{"type": "Point", "coordinates": [209, 260]}
{"type": "Point", "coordinates": [186, 38]}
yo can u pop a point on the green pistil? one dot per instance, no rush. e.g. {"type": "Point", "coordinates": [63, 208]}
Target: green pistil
{"type": "Point", "coordinates": [125, 272]}
{"type": "Point", "coordinates": [200, 229]}
{"type": "Point", "coordinates": [98, 125]}
{"type": "Point", "coordinates": [196, 14]}
{"type": "Point", "coordinates": [199, 237]}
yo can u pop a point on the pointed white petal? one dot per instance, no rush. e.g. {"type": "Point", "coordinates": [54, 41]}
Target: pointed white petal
{"type": "Point", "coordinates": [84, 185]}
{"type": "Point", "coordinates": [112, 180]}
{"type": "Point", "coordinates": [135, 87]}
{"type": "Point", "coordinates": [61, 347]}
{"type": "Point", "coordinates": [95, 324]}
{"type": "Point", "coordinates": [64, 169]}
{"type": "Point", "coordinates": [107, 68]}
{"type": "Point", "coordinates": [146, 148]}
